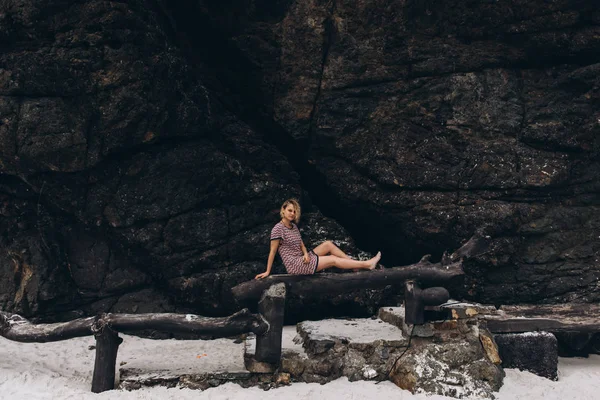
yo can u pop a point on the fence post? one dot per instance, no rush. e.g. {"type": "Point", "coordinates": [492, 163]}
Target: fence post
{"type": "Point", "coordinates": [414, 309]}
{"type": "Point", "coordinates": [107, 345]}
{"type": "Point", "coordinates": [272, 307]}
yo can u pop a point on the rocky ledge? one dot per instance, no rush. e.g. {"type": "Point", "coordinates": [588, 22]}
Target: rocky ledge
{"type": "Point", "coordinates": [458, 360]}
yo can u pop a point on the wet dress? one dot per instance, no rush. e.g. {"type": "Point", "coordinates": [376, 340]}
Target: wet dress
{"type": "Point", "coordinates": [290, 250]}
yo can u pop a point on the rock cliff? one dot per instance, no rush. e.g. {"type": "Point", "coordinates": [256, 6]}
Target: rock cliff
{"type": "Point", "coordinates": [145, 146]}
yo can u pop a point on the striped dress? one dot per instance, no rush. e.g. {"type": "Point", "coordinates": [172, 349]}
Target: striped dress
{"type": "Point", "coordinates": [290, 250]}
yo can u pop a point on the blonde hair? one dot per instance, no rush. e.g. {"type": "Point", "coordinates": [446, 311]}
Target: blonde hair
{"type": "Point", "coordinates": [296, 205]}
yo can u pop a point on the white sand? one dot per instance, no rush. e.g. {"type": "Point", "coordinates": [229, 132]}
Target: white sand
{"type": "Point", "coordinates": [63, 370]}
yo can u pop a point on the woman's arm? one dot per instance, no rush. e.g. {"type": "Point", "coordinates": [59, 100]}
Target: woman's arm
{"type": "Point", "coordinates": [274, 247]}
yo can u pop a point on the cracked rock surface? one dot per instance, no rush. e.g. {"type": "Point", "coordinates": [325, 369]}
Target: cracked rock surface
{"type": "Point", "coordinates": [126, 184]}
{"type": "Point", "coordinates": [146, 146]}
{"type": "Point", "coordinates": [421, 123]}
{"type": "Point", "coordinates": [452, 361]}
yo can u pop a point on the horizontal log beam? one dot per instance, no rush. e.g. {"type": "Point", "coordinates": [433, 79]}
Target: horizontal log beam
{"type": "Point", "coordinates": [17, 328]}
{"type": "Point", "coordinates": [423, 271]}
{"type": "Point", "coordinates": [241, 322]}
{"type": "Point", "coordinates": [571, 317]}
{"type": "Point", "coordinates": [520, 325]}
{"type": "Point", "coordinates": [14, 327]}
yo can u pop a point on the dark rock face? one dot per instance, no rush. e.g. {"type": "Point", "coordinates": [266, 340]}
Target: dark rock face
{"type": "Point", "coordinates": [145, 147]}
{"type": "Point", "coordinates": [128, 186]}
{"type": "Point", "coordinates": [124, 179]}
{"type": "Point", "coordinates": [422, 123]}
{"type": "Point", "coordinates": [535, 352]}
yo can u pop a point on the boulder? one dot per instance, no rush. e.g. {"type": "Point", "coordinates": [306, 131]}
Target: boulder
{"type": "Point", "coordinates": [535, 352]}
{"type": "Point", "coordinates": [454, 357]}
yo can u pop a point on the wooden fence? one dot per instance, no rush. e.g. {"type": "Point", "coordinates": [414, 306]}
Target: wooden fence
{"type": "Point", "coordinates": [267, 325]}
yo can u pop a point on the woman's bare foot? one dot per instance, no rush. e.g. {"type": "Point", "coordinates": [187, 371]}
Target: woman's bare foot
{"type": "Point", "coordinates": [373, 261]}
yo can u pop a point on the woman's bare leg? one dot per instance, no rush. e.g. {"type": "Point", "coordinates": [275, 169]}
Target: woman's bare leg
{"type": "Point", "coordinates": [345, 263]}
{"type": "Point", "coordinates": [328, 247]}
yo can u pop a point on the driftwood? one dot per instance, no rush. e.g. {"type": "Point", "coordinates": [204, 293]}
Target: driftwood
{"type": "Point", "coordinates": [17, 328]}
{"type": "Point", "coordinates": [423, 271]}
{"type": "Point", "coordinates": [550, 318]}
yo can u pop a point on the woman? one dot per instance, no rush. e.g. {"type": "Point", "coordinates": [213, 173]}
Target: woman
{"type": "Point", "coordinates": [285, 237]}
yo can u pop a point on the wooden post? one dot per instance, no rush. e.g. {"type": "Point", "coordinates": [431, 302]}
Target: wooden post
{"type": "Point", "coordinates": [107, 345]}
{"type": "Point", "coordinates": [271, 307]}
{"type": "Point", "coordinates": [415, 300]}
{"type": "Point", "coordinates": [414, 309]}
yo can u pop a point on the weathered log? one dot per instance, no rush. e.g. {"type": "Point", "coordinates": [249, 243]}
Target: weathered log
{"type": "Point", "coordinates": [271, 307]}
{"type": "Point", "coordinates": [17, 328]}
{"type": "Point", "coordinates": [425, 272]}
{"type": "Point", "coordinates": [550, 318]}
{"type": "Point", "coordinates": [107, 346]}
{"type": "Point", "coordinates": [241, 322]}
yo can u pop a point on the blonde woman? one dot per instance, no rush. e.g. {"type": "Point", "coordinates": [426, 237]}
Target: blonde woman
{"type": "Point", "coordinates": [285, 238]}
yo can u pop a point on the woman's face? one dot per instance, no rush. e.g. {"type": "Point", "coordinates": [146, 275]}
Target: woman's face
{"type": "Point", "coordinates": [289, 213]}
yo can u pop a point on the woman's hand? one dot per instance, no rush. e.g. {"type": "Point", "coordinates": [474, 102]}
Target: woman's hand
{"type": "Point", "coordinates": [306, 258]}
{"type": "Point", "coordinates": [263, 275]}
